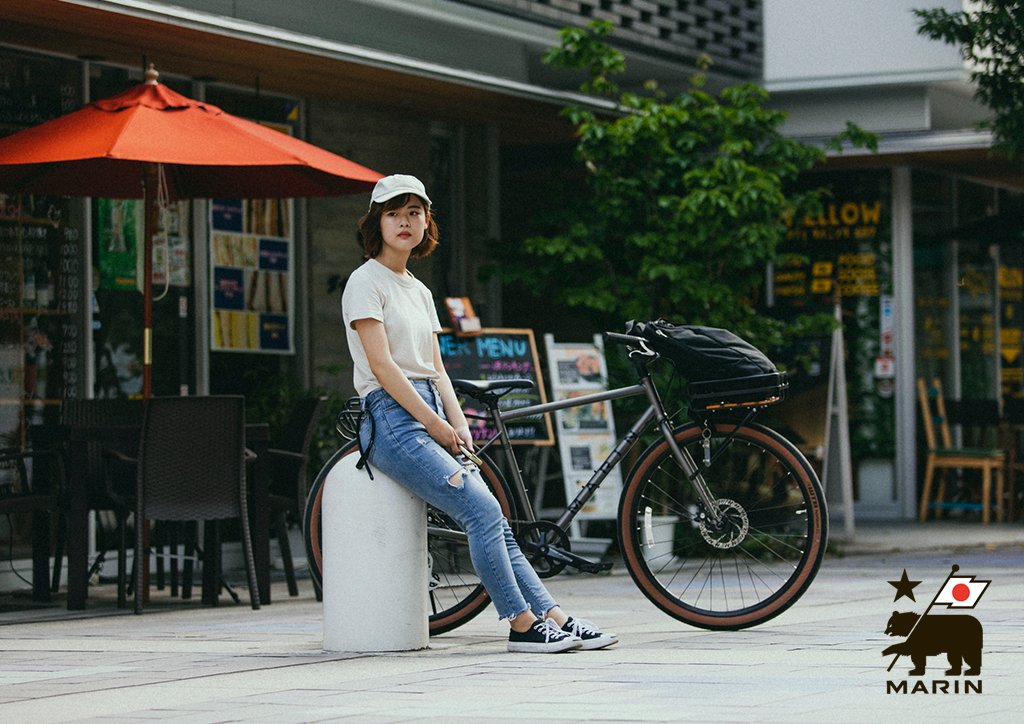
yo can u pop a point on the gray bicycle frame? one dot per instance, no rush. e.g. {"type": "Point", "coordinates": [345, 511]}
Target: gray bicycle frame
{"type": "Point", "coordinates": [655, 412]}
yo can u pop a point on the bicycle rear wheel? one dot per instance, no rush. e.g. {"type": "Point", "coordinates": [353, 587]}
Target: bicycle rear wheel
{"type": "Point", "coordinates": [456, 594]}
{"type": "Point", "coordinates": [754, 566]}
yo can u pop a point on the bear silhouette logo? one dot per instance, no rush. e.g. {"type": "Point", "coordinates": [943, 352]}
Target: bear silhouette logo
{"type": "Point", "coordinates": [958, 636]}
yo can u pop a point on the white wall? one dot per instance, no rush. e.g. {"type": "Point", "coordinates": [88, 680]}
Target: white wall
{"type": "Point", "coordinates": [835, 43]}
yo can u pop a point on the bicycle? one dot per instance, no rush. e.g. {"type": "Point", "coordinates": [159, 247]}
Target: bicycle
{"type": "Point", "coordinates": [740, 507]}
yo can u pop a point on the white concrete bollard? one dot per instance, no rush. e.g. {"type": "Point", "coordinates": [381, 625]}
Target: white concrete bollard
{"type": "Point", "coordinates": [374, 538]}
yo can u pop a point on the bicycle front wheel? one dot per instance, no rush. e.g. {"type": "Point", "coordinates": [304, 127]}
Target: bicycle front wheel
{"type": "Point", "coordinates": [456, 594]}
{"type": "Point", "coordinates": [762, 556]}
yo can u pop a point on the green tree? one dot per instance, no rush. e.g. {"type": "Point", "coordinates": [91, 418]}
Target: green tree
{"type": "Point", "coordinates": [991, 40]}
{"type": "Point", "coordinates": [686, 205]}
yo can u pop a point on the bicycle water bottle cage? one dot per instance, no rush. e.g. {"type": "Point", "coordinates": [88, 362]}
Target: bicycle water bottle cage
{"type": "Point", "coordinates": [490, 391]}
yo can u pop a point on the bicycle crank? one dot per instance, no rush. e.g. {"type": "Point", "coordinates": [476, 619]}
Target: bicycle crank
{"type": "Point", "coordinates": [731, 528]}
{"type": "Point", "coordinates": [547, 547]}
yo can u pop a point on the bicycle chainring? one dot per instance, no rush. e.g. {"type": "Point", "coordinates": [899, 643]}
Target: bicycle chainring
{"type": "Point", "coordinates": [731, 530]}
{"type": "Point", "coordinates": [536, 540]}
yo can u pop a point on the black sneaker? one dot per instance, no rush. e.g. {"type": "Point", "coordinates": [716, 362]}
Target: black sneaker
{"type": "Point", "coordinates": [589, 635]}
{"type": "Point", "coordinates": [543, 637]}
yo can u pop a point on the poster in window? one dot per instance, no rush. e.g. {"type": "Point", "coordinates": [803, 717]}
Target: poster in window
{"type": "Point", "coordinates": [586, 434]}
{"type": "Point", "coordinates": [252, 277]}
{"type": "Point", "coordinates": [252, 253]}
{"type": "Point", "coordinates": [121, 230]}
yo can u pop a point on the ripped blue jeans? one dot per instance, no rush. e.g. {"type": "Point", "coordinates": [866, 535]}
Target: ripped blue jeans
{"type": "Point", "coordinates": [403, 450]}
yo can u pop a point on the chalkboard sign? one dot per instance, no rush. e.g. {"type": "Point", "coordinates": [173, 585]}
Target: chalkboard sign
{"type": "Point", "coordinates": [41, 296]}
{"type": "Point", "coordinates": [35, 88]}
{"type": "Point", "coordinates": [500, 354]}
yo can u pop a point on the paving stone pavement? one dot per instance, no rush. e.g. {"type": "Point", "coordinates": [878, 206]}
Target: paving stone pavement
{"type": "Point", "coordinates": [819, 662]}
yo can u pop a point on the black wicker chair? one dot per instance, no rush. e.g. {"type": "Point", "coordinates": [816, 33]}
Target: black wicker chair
{"type": "Point", "coordinates": [110, 486]}
{"type": "Point", "coordinates": [288, 468]}
{"type": "Point", "coordinates": [191, 467]}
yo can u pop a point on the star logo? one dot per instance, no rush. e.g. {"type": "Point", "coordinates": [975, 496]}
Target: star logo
{"type": "Point", "coordinates": [904, 587]}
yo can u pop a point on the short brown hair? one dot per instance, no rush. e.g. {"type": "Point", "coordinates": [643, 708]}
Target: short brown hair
{"type": "Point", "coordinates": [373, 240]}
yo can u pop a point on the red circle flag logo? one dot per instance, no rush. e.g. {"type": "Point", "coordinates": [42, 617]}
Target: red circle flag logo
{"type": "Point", "coordinates": [961, 592]}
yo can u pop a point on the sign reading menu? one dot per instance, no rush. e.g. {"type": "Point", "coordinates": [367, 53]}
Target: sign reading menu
{"type": "Point", "coordinates": [500, 354]}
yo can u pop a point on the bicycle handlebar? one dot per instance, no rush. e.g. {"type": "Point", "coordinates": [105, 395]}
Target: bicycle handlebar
{"type": "Point", "coordinates": [617, 338]}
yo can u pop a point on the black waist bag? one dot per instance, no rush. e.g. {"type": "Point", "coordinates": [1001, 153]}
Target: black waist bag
{"type": "Point", "coordinates": [723, 370]}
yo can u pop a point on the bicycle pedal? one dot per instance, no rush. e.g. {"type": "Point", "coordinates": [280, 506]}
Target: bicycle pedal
{"type": "Point", "coordinates": [595, 566]}
{"type": "Point", "coordinates": [578, 562]}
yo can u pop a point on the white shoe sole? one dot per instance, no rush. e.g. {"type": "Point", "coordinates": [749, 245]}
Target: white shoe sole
{"type": "Point", "coordinates": [599, 643]}
{"type": "Point", "coordinates": [554, 647]}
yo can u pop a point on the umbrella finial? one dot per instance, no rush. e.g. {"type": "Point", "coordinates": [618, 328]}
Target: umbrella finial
{"type": "Point", "coordinates": [151, 75]}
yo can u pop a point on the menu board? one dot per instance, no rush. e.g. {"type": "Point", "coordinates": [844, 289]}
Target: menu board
{"type": "Point", "coordinates": [840, 256]}
{"type": "Point", "coordinates": [252, 281]}
{"type": "Point", "coordinates": [500, 354]}
{"type": "Point", "coordinates": [42, 274]}
{"type": "Point", "coordinates": [35, 88]}
{"type": "Point", "coordinates": [41, 349]}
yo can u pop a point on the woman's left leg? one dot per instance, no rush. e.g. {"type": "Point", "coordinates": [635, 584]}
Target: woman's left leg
{"type": "Point", "coordinates": [530, 584]}
{"type": "Point", "coordinates": [482, 519]}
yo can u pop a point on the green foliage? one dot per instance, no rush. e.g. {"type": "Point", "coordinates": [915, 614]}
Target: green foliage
{"type": "Point", "coordinates": [686, 204]}
{"type": "Point", "coordinates": [991, 40]}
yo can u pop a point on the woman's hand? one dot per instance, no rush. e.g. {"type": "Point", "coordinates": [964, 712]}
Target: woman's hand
{"type": "Point", "coordinates": [444, 435]}
{"type": "Point", "coordinates": [465, 436]}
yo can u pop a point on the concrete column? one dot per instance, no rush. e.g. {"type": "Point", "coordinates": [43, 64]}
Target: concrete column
{"type": "Point", "coordinates": [374, 535]}
{"type": "Point", "coordinates": [903, 303]}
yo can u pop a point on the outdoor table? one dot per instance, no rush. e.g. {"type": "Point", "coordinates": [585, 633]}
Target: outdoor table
{"type": "Point", "coordinates": [78, 437]}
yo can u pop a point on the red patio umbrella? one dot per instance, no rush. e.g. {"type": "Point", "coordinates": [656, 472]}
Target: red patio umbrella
{"type": "Point", "coordinates": [114, 148]}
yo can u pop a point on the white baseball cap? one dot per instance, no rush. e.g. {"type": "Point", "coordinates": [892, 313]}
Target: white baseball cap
{"type": "Point", "coordinates": [395, 185]}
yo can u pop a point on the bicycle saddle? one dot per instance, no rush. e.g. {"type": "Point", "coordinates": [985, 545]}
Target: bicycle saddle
{"type": "Point", "coordinates": [476, 388]}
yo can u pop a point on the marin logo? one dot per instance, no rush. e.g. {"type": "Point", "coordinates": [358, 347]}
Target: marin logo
{"type": "Point", "coordinates": [958, 636]}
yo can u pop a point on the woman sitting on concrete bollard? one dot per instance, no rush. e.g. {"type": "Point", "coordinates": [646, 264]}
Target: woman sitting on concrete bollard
{"type": "Point", "coordinates": [413, 427]}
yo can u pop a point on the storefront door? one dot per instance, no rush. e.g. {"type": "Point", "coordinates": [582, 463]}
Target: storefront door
{"type": "Point", "coordinates": [845, 256]}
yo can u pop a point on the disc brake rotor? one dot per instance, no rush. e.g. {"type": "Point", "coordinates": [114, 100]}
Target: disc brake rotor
{"type": "Point", "coordinates": [731, 530]}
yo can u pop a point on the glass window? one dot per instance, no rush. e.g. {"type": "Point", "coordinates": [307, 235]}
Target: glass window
{"type": "Point", "coordinates": [41, 276]}
{"type": "Point", "coordinates": [268, 309]}
{"type": "Point", "coordinates": [846, 249]}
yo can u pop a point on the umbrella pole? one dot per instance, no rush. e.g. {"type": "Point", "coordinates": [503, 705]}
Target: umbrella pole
{"type": "Point", "coordinates": [149, 182]}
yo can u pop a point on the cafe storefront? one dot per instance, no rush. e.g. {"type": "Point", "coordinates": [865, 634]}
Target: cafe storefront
{"type": "Point", "coordinates": [225, 272]}
{"type": "Point", "coordinates": [919, 297]}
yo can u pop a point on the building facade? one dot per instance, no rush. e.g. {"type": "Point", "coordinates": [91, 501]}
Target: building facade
{"type": "Point", "coordinates": [454, 92]}
{"type": "Point", "coordinates": [925, 294]}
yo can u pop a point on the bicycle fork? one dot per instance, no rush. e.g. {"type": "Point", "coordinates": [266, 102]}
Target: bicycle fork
{"type": "Point", "coordinates": [682, 457]}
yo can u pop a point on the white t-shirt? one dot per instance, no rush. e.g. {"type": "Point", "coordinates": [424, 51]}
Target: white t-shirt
{"type": "Point", "coordinates": [405, 306]}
